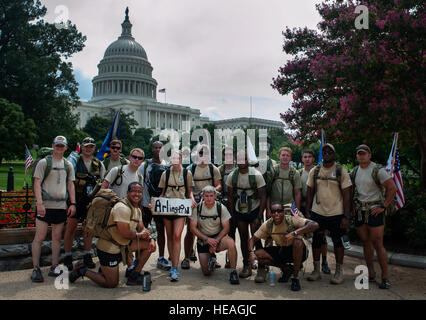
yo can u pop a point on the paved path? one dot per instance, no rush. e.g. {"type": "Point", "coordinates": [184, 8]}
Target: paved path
{"type": "Point", "coordinates": [407, 283]}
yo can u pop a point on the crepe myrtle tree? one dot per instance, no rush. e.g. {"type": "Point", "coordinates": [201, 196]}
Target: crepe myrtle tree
{"type": "Point", "coordinates": [359, 84]}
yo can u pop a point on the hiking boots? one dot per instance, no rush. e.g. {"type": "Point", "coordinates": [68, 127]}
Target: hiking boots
{"type": "Point", "coordinates": [286, 274]}
{"type": "Point", "coordinates": [87, 258]}
{"type": "Point", "coordinates": [134, 279]}
{"type": "Point", "coordinates": [163, 264]}
{"type": "Point", "coordinates": [227, 263]}
{"type": "Point", "coordinates": [338, 275]}
{"type": "Point", "coordinates": [185, 264]}
{"type": "Point", "coordinates": [246, 272]}
{"type": "Point", "coordinates": [295, 284]}
{"type": "Point", "coordinates": [192, 256]}
{"type": "Point", "coordinates": [211, 264]}
{"type": "Point", "coordinates": [79, 270]}
{"type": "Point", "coordinates": [261, 275]}
{"type": "Point", "coordinates": [53, 272]}
{"type": "Point", "coordinates": [324, 268]}
{"type": "Point", "coordinates": [36, 275]}
{"type": "Point", "coordinates": [315, 275]}
{"type": "Point", "coordinates": [233, 277]}
{"type": "Point", "coordinates": [68, 262]}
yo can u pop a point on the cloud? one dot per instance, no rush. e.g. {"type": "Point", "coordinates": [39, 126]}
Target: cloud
{"type": "Point", "coordinates": [84, 85]}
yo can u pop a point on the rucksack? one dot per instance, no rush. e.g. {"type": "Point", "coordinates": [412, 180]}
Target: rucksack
{"type": "Point", "coordinates": [84, 177]}
{"type": "Point", "coordinates": [218, 209]}
{"type": "Point", "coordinates": [276, 175]}
{"type": "Point", "coordinates": [185, 174]}
{"type": "Point", "coordinates": [338, 177]}
{"type": "Point", "coordinates": [154, 176]}
{"type": "Point", "coordinates": [98, 213]}
{"type": "Point", "coordinates": [107, 161]}
{"type": "Point", "coordinates": [194, 166]}
{"type": "Point", "coordinates": [46, 153]}
{"type": "Point", "coordinates": [252, 182]}
{"type": "Point", "coordinates": [375, 176]}
{"type": "Point", "coordinates": [291, 227]}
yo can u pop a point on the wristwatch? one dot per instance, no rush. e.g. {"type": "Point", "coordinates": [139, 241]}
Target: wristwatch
{"type": "Point", "coordinates": [73, 204]}
{"type": "Point", "coordinates": [295, 233]}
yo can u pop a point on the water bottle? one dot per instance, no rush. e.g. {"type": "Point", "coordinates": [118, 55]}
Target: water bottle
{"type": "Point", "coordinates": [271, 277]}
{"type": "Point", "coordinates": [146, 282]}
{"type": "Point", "coordinates": [345, 241]}
{"type": "Point", "coordinates": [255, 263]}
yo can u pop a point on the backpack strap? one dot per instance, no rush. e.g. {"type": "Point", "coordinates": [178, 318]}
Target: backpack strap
{"type": "Point", "coordinates": [375, 174]}
{"type": "Point", "coordinates": [119, 176]}
{"type": "Point", "coordinates": [185, 175]}
{"type": "Point", "coordinates": [211, 173]}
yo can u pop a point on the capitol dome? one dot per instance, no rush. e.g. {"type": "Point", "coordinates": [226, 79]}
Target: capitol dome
{"type": "Point", "coordinates": [124, 71]}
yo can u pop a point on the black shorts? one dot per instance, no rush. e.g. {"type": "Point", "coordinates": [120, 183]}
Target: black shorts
{"type": "Point", "coordinates": [247, 217]}
{"type": "Point", "coordinates": [80, 211]}
{"type": "Point", "coordinates": [205, 248]}
{"type": "Point", "coordinates": [54, 216]}
{"type": "Point", "coordinates": [146, 216]}
{"type": "Point", "coordinates": [373, 221]}
{"type": "Point", "coordinates": [107, 259]}
{"type": "Point", "coordinates": [283, 255]}
{"type": "Point", "coordinates": [332, 224]}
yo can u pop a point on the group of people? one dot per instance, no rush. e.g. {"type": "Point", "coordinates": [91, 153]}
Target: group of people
{"type": "Point", "coordinates": [268, 201]}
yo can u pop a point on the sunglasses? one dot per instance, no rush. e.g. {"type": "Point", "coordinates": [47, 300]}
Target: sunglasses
{"type": "Point", "coordinates": [277, 211]}
{"type": "Point", "coordinates": [136, 157]}
{"type": "Point", "coordinates": [116, 148]}
{"type": "Point", "coordinates": [328, 152]}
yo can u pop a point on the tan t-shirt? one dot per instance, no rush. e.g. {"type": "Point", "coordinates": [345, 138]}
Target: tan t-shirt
{"type": "Point", "coordinates": [282, 190]}
{"type": "Point", "coordinates": [328, 192]}
{"type": "Point", "coordinates": [368, 190]}
{"type": "Point", "coordinates": [127, 177]}
{"type": "Point", "coordinates": [55, 184]}
{"type": "Point", "coordinates": [280, 231]}
{"type": "Point", "coordinates": [243, 182]}
{"type": "Point", "coordinates": [120, 213]}
{"type": "Point", "coordinates": [176, 180]}
{"type": "Point", "coordinates": [304, 180]}
{"type": "Point", "coordinates": [209, 226]}
{"type": "Point", "coordinates": [202, 174]}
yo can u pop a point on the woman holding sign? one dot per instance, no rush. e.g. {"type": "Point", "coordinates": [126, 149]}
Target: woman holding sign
{"type": "Point", "coordinates": [176, 182]}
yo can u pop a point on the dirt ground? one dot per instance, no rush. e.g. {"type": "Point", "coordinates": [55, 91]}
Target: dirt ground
{"type": "Point", "coordinates": [406, 283]}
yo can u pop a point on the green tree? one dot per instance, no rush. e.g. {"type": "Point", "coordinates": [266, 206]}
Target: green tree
{"type": "Point", "coordinates": [15, 131]}
{"type": "Point", "coordinates": [34, 70]}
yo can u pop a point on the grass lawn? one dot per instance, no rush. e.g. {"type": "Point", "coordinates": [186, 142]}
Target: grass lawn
{"type": "Point", "coordinates": [19, 173]}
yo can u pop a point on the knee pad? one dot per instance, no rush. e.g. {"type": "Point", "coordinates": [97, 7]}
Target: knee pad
{"type": "Point", "coordinates": [317, 240]}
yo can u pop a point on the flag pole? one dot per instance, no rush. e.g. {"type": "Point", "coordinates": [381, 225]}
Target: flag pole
{"type": "Point", "coordinates": [394, 152]}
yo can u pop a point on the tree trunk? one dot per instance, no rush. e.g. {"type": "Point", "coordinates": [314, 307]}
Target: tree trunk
{"type": "Point", "coordinates": [421, 138]}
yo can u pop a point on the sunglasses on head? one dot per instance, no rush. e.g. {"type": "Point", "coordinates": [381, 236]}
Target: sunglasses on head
{"type": "Point", "coordinates": [136, 157]}
{"type": "Point", "coordinates": [116, 148]}
{"type": "Point", "coordinates": [277, 211]}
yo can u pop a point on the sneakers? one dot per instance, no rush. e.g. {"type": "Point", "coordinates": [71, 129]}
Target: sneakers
{"type": "Point", "coordinates": [385, 284]}
{"type": "Point", "coordinates": [315, 275]}
{"type": "Point", "coordinates": [68, 262]}
{"type": "Point", "coordinates": [325, 269]}
{"type": "Point", "coordinates": [80, 270]}
{"type": "Point", "coordinates": [53, 272]}
{"type": "Point", "coordinates": [130, 269]}
{"type": "Point", "coordinates": [192, 256]}
{"type": "Point", "coordinates": [87, 258]}
{"type": "Point", "coordinates": [36, 275]}
{"type": "Point", "coordinates": [295, 284]}
{"type": "Point", "coordinates": [163, 264]}
{"type": "Point", "coordinates": [233, 277]}
{"type": "Point", "coordinates": [185, 264]}
{"type": "Point", "coordinates": [227, 263]}
{"type": "Point", "coordinates": [286, 274]}
{"type": "Point", "coordinates": [261, 275]}
{"type": "Point", "coordinates": [211, 264]}
{"type": "Point", "coordinates": [174, 274]}
{"type": "Point", "coordinates": [246, 272]}
{"type": "Point", "coordinates": [134, 279]}
{"type": "Point", "coordinates": [338, 275]}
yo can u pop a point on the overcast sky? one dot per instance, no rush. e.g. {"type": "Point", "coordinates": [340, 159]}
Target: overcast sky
{"type": "Point", "coordinates": [209, 54]}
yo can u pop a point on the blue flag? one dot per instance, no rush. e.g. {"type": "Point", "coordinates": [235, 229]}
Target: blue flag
{"type": "Point", "coordinates": [322, 143]}
{"type": "Point", "coordinates": [113, 133]}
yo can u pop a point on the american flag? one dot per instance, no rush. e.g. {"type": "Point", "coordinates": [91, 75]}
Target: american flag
{"type": "Point", "coordinates": [28, 159]}
{"type": "Point", "coordinates": [294, 211]}
{"type": "Point", "coordinates": [162, 90]}
{"type": "Point", "coordinates": [394, 169]}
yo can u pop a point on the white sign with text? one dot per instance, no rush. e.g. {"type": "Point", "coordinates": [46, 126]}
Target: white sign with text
{"type": "Point", "coordinates": [171, 206]}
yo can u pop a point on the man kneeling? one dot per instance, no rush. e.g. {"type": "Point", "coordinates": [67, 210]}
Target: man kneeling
{"type": "Point", "coordinates": [210, 223]}
{"type": "Point", "coordinates": [286, 231]}
{"type": "Point", "coordinates": [126, 229]}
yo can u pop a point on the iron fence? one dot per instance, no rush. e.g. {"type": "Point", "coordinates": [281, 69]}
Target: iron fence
{"type": "Point", "coordinates": [17, 209]}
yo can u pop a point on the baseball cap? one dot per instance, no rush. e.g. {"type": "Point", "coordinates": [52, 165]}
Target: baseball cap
{"type": "Point", "coordinates": [330, 146]}
{"type": "Point", "coordinates": [60, 140]}
{"type": "Point", "coordinates": [363, 147]}
{"type": "Point", "coordinates": [87, 141]}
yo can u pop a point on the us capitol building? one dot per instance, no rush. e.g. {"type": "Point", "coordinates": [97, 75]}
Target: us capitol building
{"type": "Point", "coordinates": [125, 82]}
